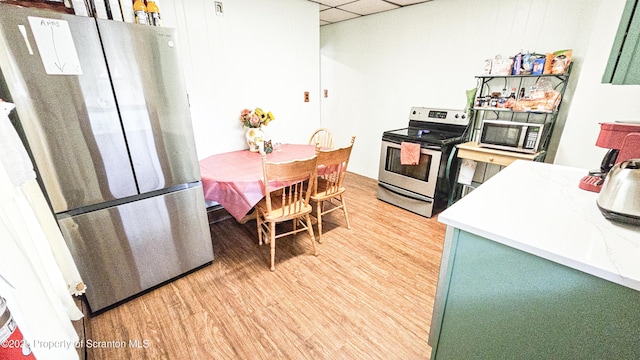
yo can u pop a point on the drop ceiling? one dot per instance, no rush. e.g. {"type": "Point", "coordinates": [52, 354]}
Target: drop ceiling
{"type": "Point", "coordinates": [333, 11]}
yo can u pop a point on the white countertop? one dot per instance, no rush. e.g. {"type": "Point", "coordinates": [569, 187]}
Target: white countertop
{"type": "Point", "coordinates": [538, 208]}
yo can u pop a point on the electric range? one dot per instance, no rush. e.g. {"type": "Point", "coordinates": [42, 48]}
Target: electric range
{"type": "Point", "coordinates": [422, 188]}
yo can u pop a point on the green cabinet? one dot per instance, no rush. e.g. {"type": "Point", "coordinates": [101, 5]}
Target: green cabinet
{"type": "Point", "coordinates": [623, 67]}
{"type": "Point", "coordinates": [497, 302]}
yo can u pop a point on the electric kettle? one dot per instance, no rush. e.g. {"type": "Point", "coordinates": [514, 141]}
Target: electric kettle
{"type": "Point", "coordinates": [619, 199]}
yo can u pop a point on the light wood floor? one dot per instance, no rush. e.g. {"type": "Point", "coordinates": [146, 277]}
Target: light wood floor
{"type": "Point", "coordinates": [368, 295]}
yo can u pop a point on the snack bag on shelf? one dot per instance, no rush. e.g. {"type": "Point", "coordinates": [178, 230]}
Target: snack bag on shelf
{"type": "Point", "coordinates": [542, 97]}
{"type": "Point", "coordinates": [557, 62]}
{"type": "Point", "coordinates": [561, 61]}
{"type": "Point", "coordinates": [538, 66]}
{"type": "Point", "coordinates": [501, 66]}
{"type": "Point", "coordinates": [544, 102]}
{"type": "Point", "coordinates": [547, 63]}
{"type": "Point", "coordinates": [527, 63]}
{"type": "Point", "coordinates": [517, 64]}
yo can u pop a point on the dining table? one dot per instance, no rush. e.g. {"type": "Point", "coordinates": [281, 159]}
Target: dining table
{"type": "Point", "coordinates": [235, 179]}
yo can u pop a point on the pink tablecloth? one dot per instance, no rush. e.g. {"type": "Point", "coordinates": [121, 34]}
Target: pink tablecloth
{"type": "Point", "coordinates": [234, 179]}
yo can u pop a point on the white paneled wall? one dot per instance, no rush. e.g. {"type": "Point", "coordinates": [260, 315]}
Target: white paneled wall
{"type": "Point", "coordinates": [258, 54]}
{"type": "Point", "coordinates": [376, 67]}
{"type": "Point", "coordinates": [268, 53]}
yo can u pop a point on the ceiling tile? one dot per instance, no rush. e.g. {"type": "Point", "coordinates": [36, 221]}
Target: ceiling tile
{"type": "Point", "coordinates": [408, 2]}
{"type": "Point", "coordinates": [332, 11]}
{"type": "Point", "coordinates": [334, 15]}
{"type": "Point", "coordinates": [333, 3]}
{"type": "Point", "coordinates": [368, 7]}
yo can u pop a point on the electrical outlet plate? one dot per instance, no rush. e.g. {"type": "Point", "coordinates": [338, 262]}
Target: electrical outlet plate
{"type": "Point", "coordinates": [306, 96]}
{"type": "Point", "coordinates": [219, 8]}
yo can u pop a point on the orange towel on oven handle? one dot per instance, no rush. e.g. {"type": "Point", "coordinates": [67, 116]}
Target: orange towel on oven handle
{"type": "Point", "coordinates": [409, 153]}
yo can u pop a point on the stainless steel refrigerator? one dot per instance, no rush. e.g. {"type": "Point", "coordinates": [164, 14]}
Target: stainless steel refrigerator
{"type": "Point", "coordinates": [103, 110]}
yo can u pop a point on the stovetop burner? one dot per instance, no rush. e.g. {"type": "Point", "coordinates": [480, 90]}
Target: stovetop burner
{"type": "Point", "coordinates": [431, 127]}
{"type": "Point", "coordinates": [427, 136]}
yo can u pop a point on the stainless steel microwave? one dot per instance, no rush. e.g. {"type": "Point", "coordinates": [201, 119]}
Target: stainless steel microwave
{"type": "Point", "coordinates": [513, 136]}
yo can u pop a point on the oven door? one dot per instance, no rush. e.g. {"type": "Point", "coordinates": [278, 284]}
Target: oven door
{"type": "Point", "coordinates": [420, 179]}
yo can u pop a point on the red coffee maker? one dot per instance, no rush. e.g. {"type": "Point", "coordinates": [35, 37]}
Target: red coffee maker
{"type": "Point", "coordinates": [623, 142]}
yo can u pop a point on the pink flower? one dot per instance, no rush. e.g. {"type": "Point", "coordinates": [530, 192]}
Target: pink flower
{"type": "Point", "coordinates": [255, 118]}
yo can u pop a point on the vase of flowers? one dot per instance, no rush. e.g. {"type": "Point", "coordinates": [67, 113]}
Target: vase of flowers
{"type": "Point", "coordinates": [253, 121]}
{"type": "Point", "coordinates": [254, 137]}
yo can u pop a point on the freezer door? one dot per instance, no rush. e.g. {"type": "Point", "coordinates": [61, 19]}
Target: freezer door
{"type": "Point", "coordinates": [123, 250]}
{"type": "Point", "coordinates": [151, 94]}
{"type": "Point", "coordinates": [53, 69]}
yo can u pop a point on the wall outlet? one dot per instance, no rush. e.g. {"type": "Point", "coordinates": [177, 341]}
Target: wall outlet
{"type": "Point", "coordinates": [306, 96]}
{"type": "Point", "coordinates": [326, 93]}
{"type": "Point", "coordinates": [219, 8]}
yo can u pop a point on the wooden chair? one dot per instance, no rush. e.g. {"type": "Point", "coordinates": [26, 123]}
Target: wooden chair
{"type": "Point", "coordinates": [322, 136]}
{"type": "Point", "coordinates": [329, 186]}
{"type": "Point", "coordinates": [288, 203]}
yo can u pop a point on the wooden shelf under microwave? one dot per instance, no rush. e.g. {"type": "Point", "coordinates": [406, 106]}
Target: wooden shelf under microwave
{"type": "Point", "coordinates": [470, 150]}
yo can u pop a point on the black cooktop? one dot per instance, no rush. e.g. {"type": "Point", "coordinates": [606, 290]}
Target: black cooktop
{"type": "Point", "coordinates": [424, 136]}
{"type": "Point", "coordinates": [431, 128]}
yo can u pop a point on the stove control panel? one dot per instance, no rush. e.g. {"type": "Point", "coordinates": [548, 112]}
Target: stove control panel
{"type": "Point", "coordinates": [444, 116]}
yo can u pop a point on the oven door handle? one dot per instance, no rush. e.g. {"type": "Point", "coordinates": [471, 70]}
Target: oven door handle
{"type": "Point", "coordinates": [402, 192]}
